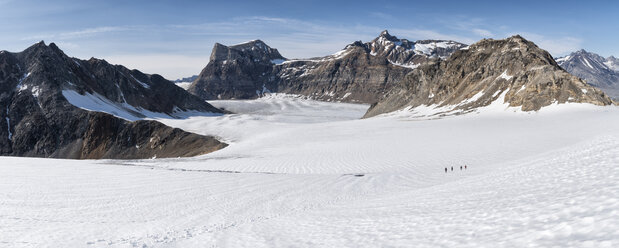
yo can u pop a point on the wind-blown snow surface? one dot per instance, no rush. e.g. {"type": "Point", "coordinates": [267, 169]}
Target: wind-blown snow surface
{"type": "Point", "coordinates": [309, 174]}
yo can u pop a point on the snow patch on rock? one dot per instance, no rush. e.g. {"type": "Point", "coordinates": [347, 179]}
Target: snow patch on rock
{"type": "Point", "coordinates": [505, 76]}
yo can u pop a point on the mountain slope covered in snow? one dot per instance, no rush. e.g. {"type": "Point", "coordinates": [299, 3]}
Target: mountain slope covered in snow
{"type": "Point", "coordinates": [596, 70]}
{"type": "Point", "coordinates": [328, 179]}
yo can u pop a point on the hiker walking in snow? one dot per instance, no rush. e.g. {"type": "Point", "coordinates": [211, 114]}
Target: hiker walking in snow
{"type": "Point", "coordinates": [460, 167]}
{"type": "Point", "coordinates": [452, 168]}
{"type": "Point", "coordinates": [445, 169]}
{"type": "Point", "coordinates": [464, 167]}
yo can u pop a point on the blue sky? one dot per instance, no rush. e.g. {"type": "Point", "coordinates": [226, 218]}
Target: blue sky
{"type": "Point", "coordinates": [175, 38]}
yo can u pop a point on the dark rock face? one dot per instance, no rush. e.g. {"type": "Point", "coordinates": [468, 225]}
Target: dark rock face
{"type": "Point", "coordinates": [110, 137]}
{"type": "Point", "coordinates": [37, 120]}
{"type": "Point", "coordinates": [236, 72]}
{"type": "Point", "coordinates": [596, 70]}
{"type": "Point", "coordinates": [512, 71]}
{"type": "Point", "coordinates": [361, 72]}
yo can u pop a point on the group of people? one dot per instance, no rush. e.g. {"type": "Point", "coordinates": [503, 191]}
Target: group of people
{"type": "Point", "coordinates": [452, 168]}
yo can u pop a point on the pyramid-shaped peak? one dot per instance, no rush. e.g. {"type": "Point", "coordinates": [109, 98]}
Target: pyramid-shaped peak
{"type": "Point", "coordinates": [40, 44]}
{"type": "Point", "coordinates": [41, 48]}
{"type": "Point", "coordinates": [385, 34]}
{"type": "Point", "coordinates": [582, 51]}
{"type": "Point", "coordinates": [517, 38]}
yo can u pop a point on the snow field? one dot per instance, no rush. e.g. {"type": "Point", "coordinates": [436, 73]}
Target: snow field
{"type": "Point", "coordinates": [311, 174]}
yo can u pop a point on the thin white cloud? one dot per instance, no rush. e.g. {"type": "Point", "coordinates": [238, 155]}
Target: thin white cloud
{"type": "Point", "coordinates": [557, 46]}
{"type": "Point", "coordinates": [141, 47]}
{"type": "Point", "coordinates": [78, 33]}
{"type": "Point", "coordinates": [482, 32]}
{"type": "Point", "coordinates": [381, 15]}
{"type": "Point", "coordinates": [294, 38]}
{"type": "Point", "coordinates": [168, 65]}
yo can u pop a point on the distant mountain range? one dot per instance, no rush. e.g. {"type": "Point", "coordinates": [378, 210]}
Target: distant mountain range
{"type": "Point", "coordinates": [53, 105]}
{"type": "Point", "coordinates": [45, 96]}
{"type": "Point", "coordinates": [361, 72]}
{"type": "Point", "coordinates": [594, 69]}
{"type": "Point", "coordinates": [185, 82]}
{"type": "Point", "coordinates": [186, 79]}
{"type": "Point", "coordinates": [396, 74]}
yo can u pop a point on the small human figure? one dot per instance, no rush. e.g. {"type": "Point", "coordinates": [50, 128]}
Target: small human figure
{"type": "Point", "coordinates": [445, 169]}
{"type": "Point", "coordinates": [464, 167]}
{"type": "Point", "coordinates": [460, 167]}
{"type": "Point", "coordinates": [452, 168]}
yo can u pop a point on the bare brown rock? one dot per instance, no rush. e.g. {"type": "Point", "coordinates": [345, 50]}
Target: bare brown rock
{"type": "Point", "coordinates": [361, 72]}
{"type": "Point", "coordinates": [514, 71]}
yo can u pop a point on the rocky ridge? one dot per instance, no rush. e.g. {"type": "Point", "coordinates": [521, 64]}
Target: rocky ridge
{"type": "Point", "coordinates": [361, 72]}
{"type": "Point", "coordinates": [512, 72]}
{"type": "Point", "coordinates": [596, 70]}
{"type": "Point", "coordinates": [39, 121]}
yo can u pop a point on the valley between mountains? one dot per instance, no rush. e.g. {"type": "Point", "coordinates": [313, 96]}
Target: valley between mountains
{"type": "Point", "coordinates": [389, 142]}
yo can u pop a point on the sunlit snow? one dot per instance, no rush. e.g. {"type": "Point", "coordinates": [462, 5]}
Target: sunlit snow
{"type": "Point", "coordinates": [302, 173]}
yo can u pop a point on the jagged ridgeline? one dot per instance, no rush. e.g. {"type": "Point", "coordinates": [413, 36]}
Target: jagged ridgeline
{"type": "Point", "coordinates": [361, 72]}
{"type": "Point", "coordinates": [603, 73]}
{"type": "Point", "coordinates": [512, 71]}
{"type": "Point", "coordinates": [38, 119]}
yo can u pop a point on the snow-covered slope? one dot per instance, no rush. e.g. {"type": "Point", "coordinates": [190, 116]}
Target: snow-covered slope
{"type": "Point", "coordinates": [596, 70]}
{"type": "Point", "coordinates": [184, 85]}
{"type": "Point", "coordinates": [297, 176]}
{"type": "Point", "coordinates": [99, 103]}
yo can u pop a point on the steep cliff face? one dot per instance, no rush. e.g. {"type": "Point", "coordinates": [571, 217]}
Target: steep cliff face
{"type": "Point", "coordinates": [38, 120]}
{"type": "Point", "coordinates": [352, 75]}
{"type": "Point", "coordinates": [236, 72]}
{"type": "Point", "coordinates": [361, 72]}
{"type": "Point", "coordinates": [513, 71]}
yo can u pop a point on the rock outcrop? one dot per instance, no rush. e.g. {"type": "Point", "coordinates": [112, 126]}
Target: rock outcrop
{"type": "Point", "coordinates": [512, 71]}
{"type": "Point", "coordinates": [236, 72]}
{"type": "Point", "coordinates": [596, 70]}
{"type": "Point", "coordinates": [38, 120]}
{"type": "Point", "coordinates": [361, 72]}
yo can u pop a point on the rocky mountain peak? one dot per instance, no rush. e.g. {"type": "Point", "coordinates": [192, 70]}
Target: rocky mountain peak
{"type": "Point", "coordinates": [517, 38]}
{"type": "Point", "coordinates": [251, 44]}
{"type": "Point", "coordinates": [385, 34]}
{"type": "Point", "coordinates": [594, 69]}
{"type": "Point", "coordinates": [45, 93]}
{"type": "Point", "coordinates": [386, 39]}
{"type": "Point", "coordinates": [255, 50]}
{"type": "Point", "coordinates": [512, 72]}
{"type": "Point", "coordinates": [361, 72]}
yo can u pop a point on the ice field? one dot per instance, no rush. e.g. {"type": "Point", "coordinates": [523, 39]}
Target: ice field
{"type": "Point", "coordinates": [303, 173]}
